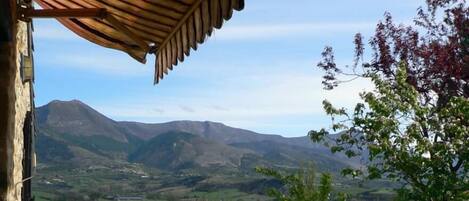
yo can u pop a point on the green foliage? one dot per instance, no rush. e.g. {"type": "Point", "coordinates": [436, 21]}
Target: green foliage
{"type": "Point", "coordinates": [300, 186]}
{"type": "Point", "coordinates": [423, 144]}
{"type": "Point", "coordinates": [414, 127]}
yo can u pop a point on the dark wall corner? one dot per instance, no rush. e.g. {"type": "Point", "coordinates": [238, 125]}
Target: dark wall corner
{"type": "Point", "coordinates": [7, 72]}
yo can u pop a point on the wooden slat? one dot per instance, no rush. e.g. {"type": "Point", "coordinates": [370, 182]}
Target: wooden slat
{"type": "Point", "coordinates": [151, 27]}
{"type": "Point", "coordinates": [173, 56]}
{"type": "Point", "coordinates": [188, 2]}
{"type": "Point", "coordinates": [156, 32]}
{"type": "Point", "coordinates": [191, 32]}
{"type": "Point", "coordinates": [174, 49]}
{"type": "Point", "coordinates": [165, 61]}
{"type": "Point", "coordinates": [164, 58]}
{"type": "Point", "coordinates": [159, 29]}
{"type": "Point", "coordinates": [146, 35]}
{"type": "Point", "coordinates": [171, 4]}
{"type": "Point", "coordinates": [206, 23]}
{"type": "Point", "coordinates": [215, 13]}
{"type": "Point", "coordinates": [128, 19]}
{"type": "Point", "coordinates": [144, 5]}
{"type": "Point", "coordinates": [180, 50]}
{"type": "Point", "coordinates": [109, 31]}
{"type": "Point", "coordinates": [238, 4]}
{"type": "Point", "coordinates": [170, 37]}
{"type": "Point", "coordinates": [185, 40]}
{"type": "Point", "coordinates": [123, 29]}
{"type": "Point", "coordinates": [199, 31]}
{"type": "Point", "coordinates": [136, 11]}
{"type": "Point", "coordinates": [226, 9]}
{"type": "Point", "coordinates": [156, 76]}
{"type": "Point", "coordinates": [150, 23]}
{"type": "Point", "coordinates": [160, 65]}
{"type": "Point", "coordinates": [142, 31]}
{"type": "Point", "coordinates": [168, 57]}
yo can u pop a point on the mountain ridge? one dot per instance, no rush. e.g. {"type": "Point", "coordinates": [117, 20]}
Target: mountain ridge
{"type": "Point", "coordinates": [76, 129]}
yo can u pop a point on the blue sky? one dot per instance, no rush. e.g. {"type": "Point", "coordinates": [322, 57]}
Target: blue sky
{"type": "Point", "coordinates": [257, 73]}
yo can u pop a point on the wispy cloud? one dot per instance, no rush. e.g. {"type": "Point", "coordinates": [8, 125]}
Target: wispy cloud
{"type": "Point", "coordinates": [98, 62]}
{"type": "Point", "coordinates": [295, 94]}
{"type": "Point", "coordinates": [158, 111]}
{"type": "Point", "coordinates": [187, 109]}
{"type": "Point", "coordinates": [262, 103]}
{"type": "Point", "coordinates": [220, 108]}
{"type": "Point", "coordinates": [270, 31]}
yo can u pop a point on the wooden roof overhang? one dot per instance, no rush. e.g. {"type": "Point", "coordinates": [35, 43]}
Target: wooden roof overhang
{"type": "Point", "coordinates": [166, 28]}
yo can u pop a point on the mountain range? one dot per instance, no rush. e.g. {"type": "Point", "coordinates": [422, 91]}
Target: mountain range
{"type": "Point", "coordinates": [73, 133]}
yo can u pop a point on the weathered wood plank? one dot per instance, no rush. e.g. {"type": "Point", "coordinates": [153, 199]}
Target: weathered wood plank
{"type": "Point", "coordinates": [185, 40]}
{"type": "Point", "coordinates": [192, 32]}
{"type": "Point", "coordinates": [174, 49]}
{"type": "Point", "coordinates": [226, 9]}
{"type": "Point", "coordinates": [238, 4]}
{"type": "Point", "coordinates": [215, 11]}
{"type": "Point", "coordinates": [206, 23]}
{"type": "Point", "coordinates": [180, 50]}
{"type": "Point", "coordinates": [198, 22]}
{"type": "Point", "coordinates": [144, 5]}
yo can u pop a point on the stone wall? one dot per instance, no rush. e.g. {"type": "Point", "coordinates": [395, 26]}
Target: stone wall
{"type": "Point", "coordinates": [21, 97]}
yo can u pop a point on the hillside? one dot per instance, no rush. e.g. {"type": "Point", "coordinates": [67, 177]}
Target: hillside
{"type": "Point", "coordinates": [79, 134]}
{"type": "Point", "coordinates": [178, 150]}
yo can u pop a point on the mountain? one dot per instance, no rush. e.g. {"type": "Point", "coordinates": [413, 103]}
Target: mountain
{"type": "Point", "coordinates": [85, 134]}
{"type": "Point", "coordinates": [179, 150]}
{"type": "Point", "coordinates": [78, 119]}
{"type": "Point", "coordinates": [73, 132]}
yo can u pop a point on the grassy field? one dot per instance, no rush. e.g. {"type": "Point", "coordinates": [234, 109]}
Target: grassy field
{"type": "Point", "coordinates": [99, 183]}
{"type": "Point", "coordinates": [102, 183]}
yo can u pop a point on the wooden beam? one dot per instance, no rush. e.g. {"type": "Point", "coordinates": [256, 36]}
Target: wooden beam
{"type": "Point", "coordinates": [28, 13]}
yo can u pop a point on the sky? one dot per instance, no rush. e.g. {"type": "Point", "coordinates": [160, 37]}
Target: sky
{"type": "Point", "coordinates": [258, 72]}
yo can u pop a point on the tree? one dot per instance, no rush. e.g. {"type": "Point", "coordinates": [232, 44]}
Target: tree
{"type": "Point", "coordinates": [414, 127]}
{"type": "Point", "coordinates": [300, 186]}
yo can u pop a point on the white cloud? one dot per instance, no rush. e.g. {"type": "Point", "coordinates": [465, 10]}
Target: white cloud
{"type": "Point", "coordinates": [101, 63]}
{"type": "Point", "coordinates": [250, 98]}
{"type": "Point", "coordinates": [288, 104]}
